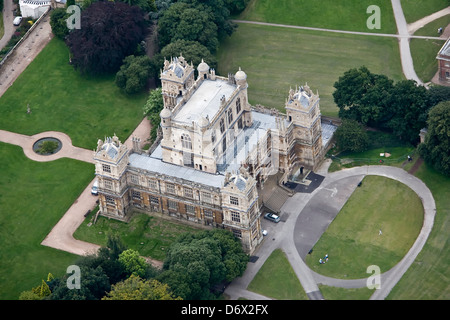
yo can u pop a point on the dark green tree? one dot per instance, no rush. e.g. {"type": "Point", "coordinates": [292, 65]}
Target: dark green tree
{"type": "Point", "coordinates": [198, 262]}
{"type": "Point", "coordinates": [192, 51]}
{"type": "Point", "coordinates": [436, 148]}
{"type": "Point", "coordinates": [351, 136]}
{"type": "Point", "coordinates": [94, 285]}
{"type": "Point", "coordinates": [363, 96]}
{"type": "Point", "coordinates": [134, 74]}
{"type": "Point", "coordinates": [184, 21]}
{"type": "Point", "coordinates": [58, 22]}
{"type": "Point", "coordinates": [408, 108]}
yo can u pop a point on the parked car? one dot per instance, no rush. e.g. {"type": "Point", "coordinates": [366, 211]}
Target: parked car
{"type": "Point", "coordinates": [17, 20]}
{"type": "Point", "coordinates": [272, 217]}
{"type": "Point", "coordinates": [264, 232]}
{"type": "Point", "coordinates": [94, 189]}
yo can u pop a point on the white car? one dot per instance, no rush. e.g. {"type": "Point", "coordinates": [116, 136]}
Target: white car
{"type": "Point", "coordinates": [94, 189]}
{"type": "Point", "coordinates": [264, 232]}
{"type": "Point", "coordinates": [17, 20]}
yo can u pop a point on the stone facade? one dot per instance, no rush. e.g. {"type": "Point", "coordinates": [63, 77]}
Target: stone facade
{"type": "Point", "coordinates": [215, 154]}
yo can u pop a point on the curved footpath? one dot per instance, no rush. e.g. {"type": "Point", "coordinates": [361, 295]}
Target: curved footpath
{"type": "Point", "coordinates": [336, 188]}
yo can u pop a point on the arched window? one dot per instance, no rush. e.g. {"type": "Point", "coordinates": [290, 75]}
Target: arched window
{"type": "Point", "coordinates": [186, 141]}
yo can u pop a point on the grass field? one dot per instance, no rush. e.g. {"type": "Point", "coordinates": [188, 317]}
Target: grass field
{"type": "Point", "coordinates": [331, 14]}
{"type": "Point", "coordinates": [33, 197]}
{"type": "Point", "coordinates": [352, 240]}
{"type": "Point", "coordinates": [428, 276]}
{"type": "Point", "coordinates": [424, 51]}
{"type": "Point", "coordinates": [417, 9]}
{"type": "Point", "coordinates": [276, 59]}
{"type": "Point", "coordinates": [85, 108]}
{"type": "Point", "coordinates": [276, 279]}
{"type": "Point", "coordinates": [150, 236]}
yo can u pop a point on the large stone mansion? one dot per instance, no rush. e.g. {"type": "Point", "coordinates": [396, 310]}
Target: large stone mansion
{"type": "Point", "coordinates": [214, 154]}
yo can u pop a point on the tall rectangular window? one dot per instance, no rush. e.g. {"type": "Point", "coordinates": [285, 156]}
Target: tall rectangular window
{"type": "Point", "coordinates": [206, 197]}
{"type": "Point", "coordinates": [230, 116]}
{"type": "Point", "coordinates": [234, 200]}
{"type": "Point", "coordinates": [173, 205]}
{"type": "Point", "coordinates": [170, 188]}
{"type": "Point", "coordinates": [188, 193]}
{"type": "Point", "coordinates": [108, 184]}
{"type": "Point", "coordinates": [222, 126]}
{"type": "Point", "coordinates": [190, 209]}
{"type": "Point", "coordinates": [153, 184]}
{"type": "Point", "coordinates": [106, 168]}
{"type": "Point", "coordinates": [235, 216]}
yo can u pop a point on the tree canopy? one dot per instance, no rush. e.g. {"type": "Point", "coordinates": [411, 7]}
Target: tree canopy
{"type": "Point", "coordinates": [376, 101]}
{"type": "Point", "coordinates": [351, 136]}
{"type": "Point", "coordinates": [109, 32]}
{"type": "Point", "coordinates": [436, 148]}
{"type": "Point", "coordinates": [198, 262]}
{"type": "Point", "coordinates": [134, 74]}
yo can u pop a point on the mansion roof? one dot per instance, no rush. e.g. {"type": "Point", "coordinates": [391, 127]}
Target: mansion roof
{"type": "Point", "coordinates": [205, 101]}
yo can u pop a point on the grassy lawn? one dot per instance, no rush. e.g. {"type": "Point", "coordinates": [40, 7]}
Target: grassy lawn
{"type": "Point", "coordinates": [424, 51]}
{"type": "Point", "coordinates": [85, 108]}
{"type": "Point", "coordinates": [151, 236]}
{"type": "Point", "coordinates": [417, 9]}
{"type": "Point", "coordinates": [428, 276]}
{"type": "Point", "coordinates": [33, 197]}
{"type": "Point", "coordinates": [334, 293]}
{"type": "Point", "coordinates": [277, 279]}
{"type": "Point", "coordinates": [330, 14]}
{"type": "Point", "coordinates": [276, 59]}
{"type": "Point", "coordinates": [379, 142]}
{"type": "Point", "coordinates": [352, 240]}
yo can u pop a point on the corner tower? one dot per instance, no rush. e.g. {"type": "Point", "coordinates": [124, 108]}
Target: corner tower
{"type": "Point", "coordinates": [111, 159]}
{"type": "Point", "coordinates": [305, 130]}
{"type": "Point", "coordinates": [176, 79]}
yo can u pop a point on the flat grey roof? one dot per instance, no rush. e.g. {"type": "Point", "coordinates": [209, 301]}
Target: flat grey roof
{"type": "Point", "coordinates": [152, 164]}
{"type": "Point", "coordinates": [205, 101]}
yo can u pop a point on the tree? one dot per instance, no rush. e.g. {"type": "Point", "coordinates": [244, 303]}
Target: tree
{"type": "Point", "coordinates": [436, 148]}
{"type": "Point", "coordinates": [184, 21]}
{"type": "Point", "coordinates": [110, 31]}
{"type": "Point", "coordinates": [94, 285]}
{"type": "Point", "coordinates": [363, 96]}
{"type": "Point", "coordinates": [58, 22]}
{"type": "Point", "coordinates": [133, 263]}
{"type": "Point", "coordinates": [351, 136]}
{"type": "Point", "coordinates": [133, 74]}
{"type": "Point", "coordinates": [408, 107]}
{"type": "Point", "coordinates": [197, 262]}
{"type": "Point", "coordinates": [136, 288]}
{"type": "Point", "coordinates": [192, 51]}
{"type": "Point", "coordinates": [152, 108]}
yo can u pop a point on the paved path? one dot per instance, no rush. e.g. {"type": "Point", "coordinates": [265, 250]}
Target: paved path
{"type": "Point", "coordinates": [61, 236]}
{"type": "Point", "coordinates": [308, 225]}
{"type": "Point", "coordinates": [8, 17]}
{"type": "Point", "coordinates": [24, 54]}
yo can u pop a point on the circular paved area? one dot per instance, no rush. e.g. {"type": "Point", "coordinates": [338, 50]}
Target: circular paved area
{"type": "Point", "coordinates": [326, 203]}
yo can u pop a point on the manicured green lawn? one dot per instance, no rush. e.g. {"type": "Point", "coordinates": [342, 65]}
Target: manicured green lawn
{"type": "Point", "coordinates": [352, 240]}
{"type": "Point", "coordinates": [150, 236]}
{"type": "Point", "coordinates": [277, 279]}
{"type": "Point", "coordinates": [424, 51]}
{"type": "Point", "coordinates": [334, 293]}
{"type": "Point", "coordinates": [33, 197]}
{"type": "Point", "coordinates": [331, 14]}
{"type": "Point", "coordinates": [417, 9]}
{"type": "Point", "coordinates": [85, 108]}
{"type": "Point", "coordinates": [427, 278]}
{"type": "Point", "coordinates": [276, 59]}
